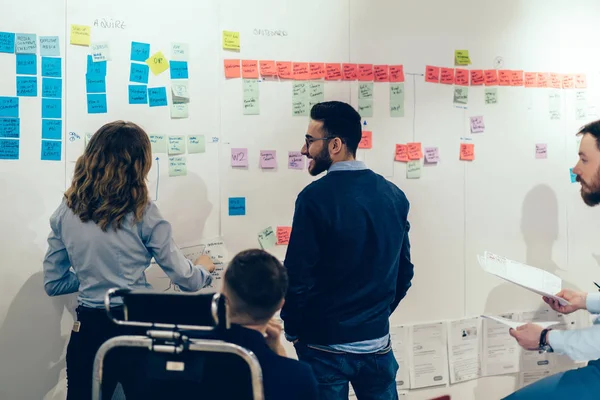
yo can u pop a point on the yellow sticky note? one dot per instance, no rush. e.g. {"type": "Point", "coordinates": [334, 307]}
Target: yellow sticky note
{"type": "Point", "coordinates": [158, 63]}
{"type": "Point", "coordinates": [231, 40]}
{"type": "Point", "coordinates": [80, 35]}
{"type": "Point", "coordinates": [461, 57]}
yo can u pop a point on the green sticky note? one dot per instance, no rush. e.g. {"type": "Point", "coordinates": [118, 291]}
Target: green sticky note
{"type": "Point", "coordinates": [250, 87]}
{"type": "Point", "coordinates": [159, 143]}
{"type": "Point", "coordinates": [251, 98]}
{"type": "Point", "coordinates": [316, 92]}
{"type": "Point", "coordinates": [365, 90]}
{"type": "Point", "coordinates": [196, 144]}
{"type": "Point", "coordinates": [176, 145]}
{"type": "Point", "coordinates": [177, 166]}
{"type": "Point", "coordinates": [491, 96]}
{"type": "Point", "coordinates": [300, 100]}
{"type": "Point", "coordinates": [88, 137]}
{"type": "Point", "coordinates": [461, 95]}
{"type": "Point", "coordinates": [554, 105]}
{"type": "Point", "coordinates": [179, 110]}
{"type": "Point", "coordinates": [365, 107]}
{"type": "Point", "coordinates": [461, 57]}
{"type": "Point", "coordinates": [413, 169]}
{"type": "Point", "coordinates": [267, 238]}
{"type": "Point", "coordinates": [397, 100]}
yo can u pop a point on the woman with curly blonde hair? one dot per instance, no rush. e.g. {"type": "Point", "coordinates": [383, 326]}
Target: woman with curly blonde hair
{"type": "Point", "coordinates": [103, 235]}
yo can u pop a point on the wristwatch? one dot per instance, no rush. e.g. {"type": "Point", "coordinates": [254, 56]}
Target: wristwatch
{"type": "Point", "coordinates": [544, 345]}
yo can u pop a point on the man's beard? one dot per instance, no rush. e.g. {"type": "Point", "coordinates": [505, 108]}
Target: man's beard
{"type": "Point", "coordinates": [591, 196]}
{"type": "Point", "coordinates": [321, 162]}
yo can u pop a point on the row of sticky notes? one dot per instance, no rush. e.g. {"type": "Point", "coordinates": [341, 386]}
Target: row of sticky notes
{"type": "Point", "coordinates": [268, 238]}
{"type": "Point", "coordinates": [267, 159]}
{"type": "Point", "coordinates": [27, 65]}
{"type": "Point", "coordinates": [176, 144]}
{"type": "Point", "coordinates": [412, 151]}
{"type": "Point", "coordinates": [252, 69]}
{"type": "Point", "coordinates": [26, 43]}
{"type": "Point", "coordinates": [493, 77]}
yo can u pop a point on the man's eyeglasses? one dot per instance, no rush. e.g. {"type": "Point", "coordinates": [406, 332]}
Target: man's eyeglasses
{"type": "Point", "coordinates": [310, 139]}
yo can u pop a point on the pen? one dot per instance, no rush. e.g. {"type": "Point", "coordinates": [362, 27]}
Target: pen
{"type": "Point", "coordinates": [598, 286]}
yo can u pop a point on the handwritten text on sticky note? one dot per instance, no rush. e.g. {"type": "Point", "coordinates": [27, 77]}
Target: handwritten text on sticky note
{"type": "Point", "coordinates": [239, 157]}
{"type": "Point", "coordinates": [268, 159]}
{"type": "Point", "coordinates": [283, 235]}
{"type": "Point", "coordinates": [477, 125]}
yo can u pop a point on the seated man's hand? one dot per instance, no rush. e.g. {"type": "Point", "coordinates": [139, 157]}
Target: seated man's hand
{"type": "Point", "coordinates": [528, 336]}
{"type": "Point", "coordinates": [206, 262]}
{"type": "Point", "coordinates": [577, 300]}
{"type": "Point", "coordinates": [273, 338]}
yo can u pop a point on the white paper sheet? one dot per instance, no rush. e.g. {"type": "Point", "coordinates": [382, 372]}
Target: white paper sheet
{"type": "Point", "coordinates": [515, 324]}
{"type": "Point", "coordinates": [464, 349]}
{"type": "Point", "coordinates": [428, 355]}
{"type": "Point", "coordinates": [399, 338]}
{"type": "Point", "coordinates": [501, 351]}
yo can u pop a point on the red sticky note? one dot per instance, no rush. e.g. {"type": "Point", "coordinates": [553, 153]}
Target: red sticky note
{"type": "Point", "coordinates": [516, 78]}
{"type": "Point", "coordinates": [447, 76]}
{"type": "Point", "coordinates": [349, 72]}
{"type": "Point", "coordinates": [580, 81]}
{"type": "Point", "coordinates": [504, 77]}
{"type": "Point", "coordinates": [367, 140]}
{"type": "Point", "coordinates": [381, 73]}
{"type": "Point", "coordinates": [283, 235]}
{"type": "Point", "coordinates": [317, 70]}
{"type": "Point", "coordinates": [568, 81]}
{"type": "Point", "coordinates": [462, 77]}
{"type": "Point", "coordinates": [432, 74]}
{"type": "Point", "coordinates": [284, 70]}
{"type": "Point", "coordinates": [477, 78]}
{"type": "Point", "coordinates": [232, 68]}
{"type": "Point", "coordinates": [491, 77]}
{"type": "Point", "coordinates": [365, 72]}
{"type": "Point", "coordinates": [467, 151]}
{"type": "Point", "coordinates": [401, 153]}
{"type": "Point", "coordinates": [301, 71]}
{"type": "Point", "coordinates": [530, 79]}
{"type": "Point", "coordinates": [414, 151]}
{"type": "Point", "coordinates": [333, 72]}
{"type": "Point", "coordinates": [543, 79]}
{"type": "Point", "coordinates": [268, 68]}
{"type": "Point", "coordinates": [250, 69]}
{"type": "Point", "coordinates": [555, 80]}
{"type": "Point", "coordinates": [396, 73]}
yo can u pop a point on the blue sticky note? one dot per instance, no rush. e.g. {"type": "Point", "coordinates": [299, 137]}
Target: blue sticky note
{"type": "Point", "coordinates": [95, 68]}
{"type": "Point", "coordinates": [573, 176]}
{"type": "Point", "coordinates": [138, 94]}
{"type": "Point", "coordinates": [52, 88]}
{"type": "Point", "coordinates": [10, 128]}
{"type": "Point", "coordinates": [26, 43]}
{"type": "Point", "coordinates": [140, 51]}
{"type": "Point", "coordinates": [9, 149]}
{"type": "Point", "coordinates": [138, 73]}
{"type": "Point", "coordinates": [237, 206]}
{"type": "Point", "coordinates": [7, 42]}
{"type": "Point", "coordinates": [52, 129]}
{"type": "Point", "coordinates": [51, 108]}
{"type": "Point", "coordinates": [27, 86]}
{"type": "Point", "coordinates": [157, 97]}
{"type": "Point", "coordinates": [26, 64]}
{"type": "Point", "coordinates": [9, 107]}
{"type": "Point", "coordinates": [52, 67]}
{"type": "Point", "coordinates": [49, 46]}
{"type": "Point", "coordinates": [51, 150]}
{"type": "Point", "coordinates": [179, 69]}
{"type": "Point", "coordinates": [95, 84]}
{"type": "Point", "coordinates": [96, 103]}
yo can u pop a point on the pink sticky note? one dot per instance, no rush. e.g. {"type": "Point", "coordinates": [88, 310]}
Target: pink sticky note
{"type": "Point", "coordinates": [239, 157]}
{"type": "Point", "coordinates": [367, 140]}
{"type": "Point", "coordinates": [477, 125]}
{"type": "Point", "coordinates": [396, 73]}
{"type": "Point", "coordinates": [296, 160]}
{"type": "Point", "coordinates": [283, 235]}
{"type": "Point", "coordinates": [268, 159]}
{"type": "Point", "coordinates": [432, 155]}
{"type": "Point", "coordinates": [432, 74]}
{"type": "Point", "coordinates": [541, 150]}
{"type": "Point", "coordinates": [232, 68]}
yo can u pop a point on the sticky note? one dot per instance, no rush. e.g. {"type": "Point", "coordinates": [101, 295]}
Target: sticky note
{"type": "Point", "coordinates": [180, 51]}
{"type": "Point", "coordinates": [316, 93]}
{"type": "Point", "coordinates": [27, 86]}
{"type": "Point", "coordinates": [504, 77]}
{"type": "Point", "coordinates": [414, 151]}
{"type": "Point", "coordinates": [158, 63]}
{"type": "Point", "coordinates": [96, 104]}
{"type": "Point", "coordinates": [349, 72]}
{"type": "Point", "coordinates": [401, 153]}
{"type": "Point", "coordinates": [541, 150]}
{"type": "Point", "coordinates": [80, 35]}
{"type": "Point", "coordinates": [461, 95]}
{"type": "Point", "coordinates": [138, 94]}
{"type": "Point", "coordinates": [462, 77]}
{"type": "Point", "coordinates": [554, 105]}
{"type": "Point", "coordinates": [317, 70]}
{"type": "Point", "coordinates": [51, 150]}
{"type": "Point", "coordinates": [138, 73]}
{"type": "Point", "coordinates": [300, 99]}
{"type": "Point", "coordinates": [568, 81]}
{"type": "Point", "coordinates": [100, 51]}
{"type": "Point", "coordinates": [491, 77]}
{"type": "Point", "coordinates": [477, 78]}
{"type": "Point", "coordinates": [516, 78]}
{"type": "Point", "coordinates": [139, 51]}
{"type": "Point", "coordinates": [543, 79]}
{"type": "Point", "coordinates": [573, 176]}
{"type": "Point", "coordinates": [232, 68]}
{"type": "Point", "coordinates": [381, 73]}
{"type": "Point", "coordinates": [432, 155]}
{"type": "Point", "coordinates": [491, 96]}
{"type": "Point", "coordinates": [231, 40]}
{"type": "Point", "coordinates": [239, 157]}
{"type": "Point", "coordinates": [180, 110]}
{"type": "Point", "coordinates": [477, 125]}
{"type": "Point", "coordinates": [26, 64]}
{"type": "Point", "coordinates": [95, 68]}
{"type": "Point", "coordinates": [283, 235]}
{"type": "Point", "coordinates": [51, 88]}
{"type": "Point", "coordinates": [25, 43]}
{"type": "Point", "coordinates": [10, 128]}
{"type": "Point", "coordinates": [52, 67]}
{"type": "Point", "coordinates": [467, 151]}
{"type": "Point", "coordinates": [9, 149]}
{"type": "Point", "coordinates": [268, 159]}
{"type": "Point", "coordinates": [157, 97]}
{"type": "Point", "coordinates": [49, 46]}
{"type": "Point", "coordinates": [52, 129]}
{"type": "Point", "coordinates": [447, 76]}
{"type": "Point", "coordinates": [301, 71]}
{"type": "Point", "coordinates": [196, 144]}
{"type": "Point", "coordinates": [365, 72]}
{"type": "Point", "coordinates": [176, 145]}
{"type": "Point", "coordinates": [237, 206]}
{"type": "Point", "coordinates": [158, 143]}
{"type": "Point", "coordinates": [461, 57]}
{"type": "Point", "coordinates": [179, 90]}
{"type": "Point", "coordinates": [296, 160]}
{"type": "Point", "coordinates": [251, 104]}
{"type": "Point", "coordinates": [397, 100]}
{"type": "Point", "coordinates": [366, 142]}
{"type": "Point", "coordinates": [250, 69]}
{"type": "Point", "coordinates": [179, 70]}
{"type": "Point", "coordinates": [365, 107]}
{"type": "Point", "coordinates": [51, 108]}
{"type": "Point", "coordinates": [365, 90]}
{"type": "Point", "coordinates": [333, 72]}
{"type": "Point", "coordinates": [413, 170]}
{"type": "Point", "coordinates": [267, 238]}
{"type": "Point", "coordinates": [556, 81]}
{"type": "Point", "coordinates": [284, 70]}
{"type": "Point", "coordinates": [580, 81]}
{"type": "Point", "coordinates": [432, 74]}
{"type": "Point", "coordinates": [581, 105]}
{"type": "Point", "coordinates": [95, 84]}
{"type": "Point", "coordinates": [396, 73]}
{"type": "Point", "coordinates": [7, 42]}
{"type": "Point", "coordinates": [177, 166]}
{"type": "Point", "coordinates": [268, 68]}
{"type": "Point", "coordinates": [9, 107]}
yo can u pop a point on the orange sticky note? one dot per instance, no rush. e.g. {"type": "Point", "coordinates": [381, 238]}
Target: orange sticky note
{"type": "Point", "coordinates": [283, 235]}
{"type": "Point", "coordinates": [555, 80]}
{"type": "Point", "coordinates": [414, 151]}
{"type": "Point", "coordinates": [491, 77]}
{"type": "Point", "coordinates": [365, 72]}
{"type": "Point", "coordinates": [568, 81]}
{"type": "Point", "coordinates": [381, 73]}
{"type": "Point", "coordinates": [401, 153]}
{"type": "Point", "coordinates": [432, 74]}
{"type": "Point", "coordinates": [516, 78]}
{"type": "Point", "coordinates": [301, 71]}
{"type": "Point", "coordinates": [477, 78]}
{"type": "Point", "coordinates": [232, 68]}
{"type": "Point", "coordinates": [367, 140]}
{"type": "Point", "coordinates": [333, 72]}
{"type": "Point", "coordinates": [580, 81]}
{"type": "Point", "coordinates": [447, 76]}
{"type": "Point", "coordinates": [504, 77]}
{"type": "Point", "coordinates": [462, 77]}
{"type": "Point", "coordinates": [250, 69]}
{"type": "Point", "coordinates": [543, 79]}
{"type": "Point", "coordinates": [349, 72]}
{"type": "Point", "coordinates": [467, 151]}
{"type": "Point", "coordinates": [396, 73]}
{"type": "Point", "coordinates": [317, 70]}
{"type": "Point", "coordinates": [530, 79]}
{"type": "Point", "coordinates": [268, 68]}
{"type": "Point", "coordinates": [284, 70]}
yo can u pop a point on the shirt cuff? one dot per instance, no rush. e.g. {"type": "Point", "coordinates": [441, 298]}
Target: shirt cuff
{"type": "Point", "coordinates": [557, 341]}
{"type": "Point", "coordinates": [592, 302]}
